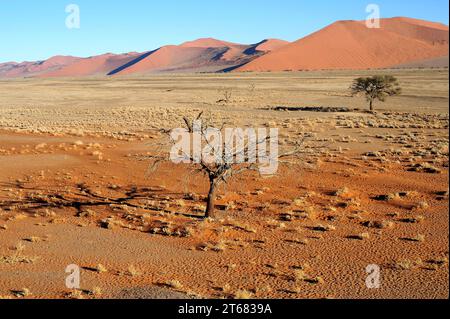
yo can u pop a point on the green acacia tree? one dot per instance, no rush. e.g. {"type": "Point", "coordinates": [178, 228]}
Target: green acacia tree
{"type": "Point", "coordinates": [377, 87]}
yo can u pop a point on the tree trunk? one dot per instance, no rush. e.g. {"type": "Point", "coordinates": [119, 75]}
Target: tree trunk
{"type": "Point", "coordinates": [211, 205]}
{"type": "Point", "coordinates": [371, 105]}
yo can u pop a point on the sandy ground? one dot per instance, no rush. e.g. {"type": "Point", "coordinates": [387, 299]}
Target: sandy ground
{"type": "Point", "coordinates": [74, 189]}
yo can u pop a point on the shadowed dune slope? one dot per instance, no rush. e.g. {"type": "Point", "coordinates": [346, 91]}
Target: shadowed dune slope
{"type": "Point", "coordinates": [97, 65]}
{"type": "Point", "coordinates": [202, 55]}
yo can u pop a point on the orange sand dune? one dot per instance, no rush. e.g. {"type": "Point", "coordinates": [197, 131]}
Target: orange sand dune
{"type": "Point", "coordinates": [202, 55]}
{"type": "Point", "coordinates": [27, 69]}
{"type": "Point", "coordinates": [208, 43]}
{"type": "Point", "coordinates": [271, 45]}
{"type": "Point", "coordinates": [233, 50]}
{"type": "Point", "coordinates": [177, 58]}
{"type": "Point", "coordinates": [97, 65]}
{"type": "Point", "coordinates": [351, 45]}
{"type": "Point", "coordinates": [342, 45]}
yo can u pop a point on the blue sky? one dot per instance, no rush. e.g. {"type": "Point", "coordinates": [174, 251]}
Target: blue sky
{"type": "Point", "coordinates": [36, 29]}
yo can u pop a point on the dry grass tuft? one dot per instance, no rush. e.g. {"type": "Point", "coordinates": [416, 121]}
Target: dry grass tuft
{"type": "Point", "coordinates": [419, 238]}
{"type": "Point", "coordinates": [75, 294]}
{"type": "Point", "coordinates": [17, 257]}
{"type": "Point", "coordinates": [406, 264]}
{"type": "Point", "coordinates": [101, 269]}
{"type": "Point", "coordinates": [33, 239]}
{"type": "Point", "coordinates": [133, 272]}
{"type": "Point", "coordinates": [174, 284]}
{"type": "Point", "coordinates": [413, 220]}
{"type": "Point", "coordinates": [323, 228]}
{"type": "Point", "coordinates": [360, 236]}
{"type": "Point", "coordinates": [22, 293]}
{"type": "Point", "coordinates": [96, 292]}
{"type": "Point", "coordinates": [383, 224]}
{"type": "Point", "coordinates": [243, 294]}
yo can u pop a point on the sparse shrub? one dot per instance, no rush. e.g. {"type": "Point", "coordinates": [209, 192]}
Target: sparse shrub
{"type": "Point", "coordinates": [132, 271]}
{"type": "Point", "coordinates": [323, 228]}
{"type": "Point", "coordinates": [75, 294]}
{"type": "Point", "coordinates": [419, 238]}
{"type": "Point", "coordinates": [413, 220]}
{"type": "Point", "coordinates": [101, 269]}
{"type": "Point", "coordinates": [383, 224]}
{"type": "Point", "coordinates": [174, 284]}
{"type": "Point", "coordinates": [23, 293]}
{"type": "Point", "coordinates": [341, 192]}
{"type": "Point", "coordinates": [316, 280]}
{"type": "Point", "coordinates": [243, 294]}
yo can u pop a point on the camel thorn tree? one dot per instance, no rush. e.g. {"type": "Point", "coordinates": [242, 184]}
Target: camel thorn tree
{"type": "Point", "coordinates": [377, 87]}
{"type": "Point", "coordinates": [220, 153]}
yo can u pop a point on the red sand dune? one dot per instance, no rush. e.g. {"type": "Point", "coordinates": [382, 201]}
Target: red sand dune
{"type": "Point", "coordinates": [202, 55]}
{"type": "Point", "coordinates": [342, 45]}
{"type": "Point", "coordinates": [28, 69]}
{"type": "Point", "coordinates": [208, 43]}
{"type": "Point", "coordinates": [234, 50]}
{"type": "Point", "coordinates": [97, 65]}
{"type": "Point", "coordinates": [270, 45]}
{"type": "Point", "coordinates": [351, 45]}
{"type": "Point", "coordinates": [171, 58]}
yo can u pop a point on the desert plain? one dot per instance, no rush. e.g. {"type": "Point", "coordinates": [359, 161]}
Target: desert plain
{"type": "Point", "coordinates": [75, 189]}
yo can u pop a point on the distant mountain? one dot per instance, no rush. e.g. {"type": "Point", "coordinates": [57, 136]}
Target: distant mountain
{"type": "Point", "coordinates": [399, 42]}
{"type": "Point", "coordinates": [202, 55]}
{"type": "Point", "coordinates": [351, 45]}
{"type": "Point", "coordinates": [96, 65]}
{"type": "Point", "coordinates": [25, 69]}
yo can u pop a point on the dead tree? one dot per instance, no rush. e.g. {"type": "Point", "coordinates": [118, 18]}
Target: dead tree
{"type": "Point", "coordinates": [227, 94]}
{"type": "Point", "coordinates": [222, 161]}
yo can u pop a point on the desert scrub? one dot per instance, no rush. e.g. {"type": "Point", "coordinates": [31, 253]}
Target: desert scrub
{"type": "Point", "coordinates": [22, 293]}
{"type": "Point", "coordinates": [406, 264]}
{"type": "Point", "coordinates": [418, 238]}
{"type": "Point", "coordinates": [174, 284]}
{"type": "Point", "coordinates": [315, 280]}
{"type": "Point", "coordinates": [386, 197]}
{"type": "Point", "coordinates": [101, 269]}
{"type": "Point", "coordinates": [74, 294]}
{"type": "Point", "coordinates": [17, 257]}
{"type": "Point", "coordinates": [298, 241]}
{"type": "Point", "coordinates": [360, 236]}
{"type": "Point", "coordinates": [323, 228]}
{"type": "Point", "coordinates": [133, 271]}
{"type": "Point", "coordinates": [420, 206]}
{"type": "Point", "coordinates": [241, 226]}
{"type": "Point", "coordinates": [341, 192]}
{"type": "Point", "coordinates": [383, 224]}
{"type": "Point", "coordinates": [243, 294]}
{"type": "Point", "coordinates": [413, 219]}
{"type": "Point", "coordinates": [95, 292]}
{"type": "Point", "coordinates": [33, 239]}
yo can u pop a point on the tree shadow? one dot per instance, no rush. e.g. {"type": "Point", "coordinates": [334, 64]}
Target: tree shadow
{"type": "Point", "coordinates": [84, 197]}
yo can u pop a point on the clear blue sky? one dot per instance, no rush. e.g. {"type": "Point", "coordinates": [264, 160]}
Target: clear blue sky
{"type": "Point", "coordinates": [35, 29]}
